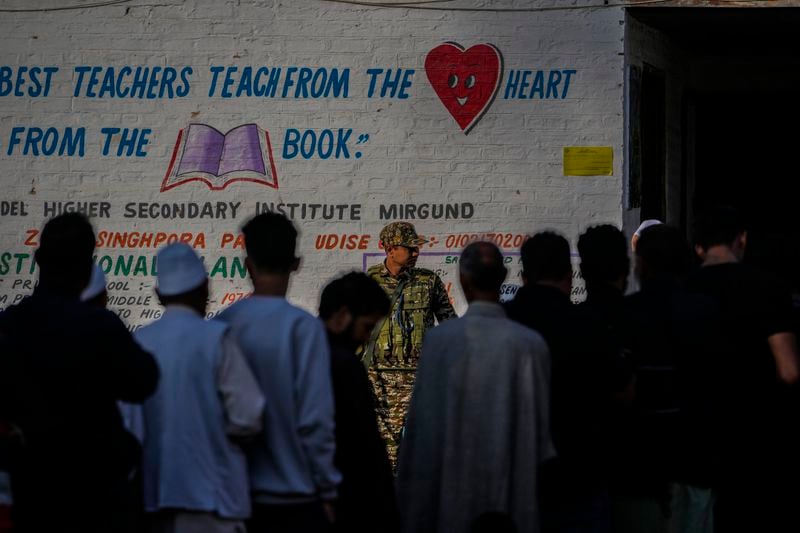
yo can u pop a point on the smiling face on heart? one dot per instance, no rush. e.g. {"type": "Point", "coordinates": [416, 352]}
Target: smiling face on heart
{"type": "Point", "coordinates": [466, 81]}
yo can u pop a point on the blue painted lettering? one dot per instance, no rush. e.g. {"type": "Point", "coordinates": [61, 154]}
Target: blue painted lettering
{"type": "Point", "coordinates": [32, 141]}
{"type": "Point", "coordinates": [153, 83]}
{"type": "Point", "coordinates": [568, 74]}
{"type": "Point", "coordinates": [272, 85]}
{"type": "Point", "coordinates": [373, 80]}
{"type": "Point", "coordinates": [139, 83]}
{"type": "Point", "coordinates": [308, 151]}
{"type": "Point", "coordinates": [258, 88]}
{"type": "Point", "coordinates": [184, 87]}
{"type": "Point", "coordinates": [131, 141]}
{"type": "Point", "coordinates": [318, 83]}
{"type": "Point", "coordinates": [35, 81]}
{"type": "Point", "coordinates": [302, 82]}
{"type": "Point", "coordinates": [524, 83]}
{"type": "Point", "coordinates": [325, 137]}
{"type": "Point", "coordinates": [538, 85]}
{"type": "Point", "coordinates": [108, 85]}
{"type": "Point", "coordinates": [290, 147]}
{"type": "Point", "coordinates": [405, 84]}
{"type": "Point", "coordinates": [37, 88]}
{"type": "Point", "coordinates": [148, 82]}
{"type": "Point", "coordinates": [93, 81]}
{"type": "Point", "coordinates": [289, 81]}
{"type": "Point", "coordinates": [340, 84]}
{"type": "Point", "coordinates": [49, 141]}
{"type": "Point", "coordinates": [108, 132]}
{"type": "Point", "coordinates": [324, 145]}
{"type": "Point", "coordinates": [512, 84]}
{"type": "Point", "coordinates": [298, 82]}
{"type": "Point", "coordinates": [226, 85]}
{"type": "Point", "coordinates": [170, 74]}
{"type": "Point", "coordinates": [395, 86]}
{"type": "Point", "coordinates": [552, 84]}
{"type": "Point", "coordinates": [46, 142]}
{"type": "Point", "coordinates": [13, 140]}
{"type": "Point", "coordinates": [341, 143]}
{"type": "Point", "coordinates": [20, 81]}
{"type": "Point", "coordinates": [214, 74]}
{"type": "Point", "coordinates": [245, 82]}
{"type": "Point", "coordinates": [80, 71]}
{"type": "Point", "coordinates": [5, 81]}
{"type": "Point", "coordinates": [123, 73]}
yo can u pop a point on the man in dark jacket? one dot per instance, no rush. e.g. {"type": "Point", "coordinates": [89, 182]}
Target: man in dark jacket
{"type": "Point", "coordinates": [587, 375]}
{"type": "Point", "coordinates": [63, 368]}
{"type": "Point", "coordinates": [605, 267]}
{"type": "Point", "coordinates": [668, 334]}
{"type": "Point", "coordinates": [351, 307]}
{"type": "Point", "coordinates": [757, 366]}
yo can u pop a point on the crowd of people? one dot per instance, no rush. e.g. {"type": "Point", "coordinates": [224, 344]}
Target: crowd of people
{"type": "Point", "coordinates": [669, 409]}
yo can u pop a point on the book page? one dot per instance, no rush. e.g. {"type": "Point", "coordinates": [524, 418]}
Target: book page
{"type": "Point", "coordinates": [202, 150]}
{"type": "Point", "coordinates": [242, 151]}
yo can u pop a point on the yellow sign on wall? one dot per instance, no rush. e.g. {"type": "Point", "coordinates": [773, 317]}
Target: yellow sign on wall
{"type": "Point", "coordinates": [588, 161]}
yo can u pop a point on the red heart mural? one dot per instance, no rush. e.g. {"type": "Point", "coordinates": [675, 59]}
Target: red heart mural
{"type": "Point", "coordinates": [465, 80]}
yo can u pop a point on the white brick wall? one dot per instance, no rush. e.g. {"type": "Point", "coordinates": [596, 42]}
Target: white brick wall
{"type": "Point", "coordinates": [509, 166]}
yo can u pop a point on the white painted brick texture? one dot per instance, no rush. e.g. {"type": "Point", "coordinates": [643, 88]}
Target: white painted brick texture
{"type": "Point", "coordinates": [509, 166]}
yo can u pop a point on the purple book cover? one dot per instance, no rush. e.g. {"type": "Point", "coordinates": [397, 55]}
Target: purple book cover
{"type": "Point", "coordinates": [203, 153]}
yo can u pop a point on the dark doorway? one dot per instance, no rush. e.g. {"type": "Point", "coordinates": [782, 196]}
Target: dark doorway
{"type": "Point", "coordinates": [653, 143]}
{"type": "Point", "coordinates": [747, 155]}
{"type": "Point", "coordinates": [736, 74]}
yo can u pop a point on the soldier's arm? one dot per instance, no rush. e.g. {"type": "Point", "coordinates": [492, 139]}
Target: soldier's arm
{"type": "Point", "coordinates": [442, 307]}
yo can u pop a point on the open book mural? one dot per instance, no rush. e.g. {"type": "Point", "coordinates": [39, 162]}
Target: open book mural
{"type": "Point", "coordinates": [203, 153]}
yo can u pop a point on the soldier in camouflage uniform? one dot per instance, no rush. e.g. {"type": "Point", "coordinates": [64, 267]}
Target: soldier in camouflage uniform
{"type": "Point", "coordinates": [394, 350]}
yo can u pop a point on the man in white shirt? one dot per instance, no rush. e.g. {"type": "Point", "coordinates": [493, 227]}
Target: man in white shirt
{"type": "Point", "coordinates": [292, 474]}
{"type": "Point", "coordinates": [195, 476]}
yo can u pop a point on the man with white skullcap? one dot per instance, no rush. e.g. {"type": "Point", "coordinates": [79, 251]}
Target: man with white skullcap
{"type": "Point", "coordinates": [195, 476]}
{"type": "Point", "coordinates": [643, 226]}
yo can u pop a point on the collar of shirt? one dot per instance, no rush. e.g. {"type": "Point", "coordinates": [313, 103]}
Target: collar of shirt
{"type": "Point", "coordinates": [485, 309]}
{"type": "Point", "coordinates": [384, 272]}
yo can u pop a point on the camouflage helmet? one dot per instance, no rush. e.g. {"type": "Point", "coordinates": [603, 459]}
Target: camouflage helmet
{"type": "Point", "coordinates": [401, 234]}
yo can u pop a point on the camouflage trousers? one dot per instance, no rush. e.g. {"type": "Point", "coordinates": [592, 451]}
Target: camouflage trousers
{"type": "Point", "coordinates": [393, 393]}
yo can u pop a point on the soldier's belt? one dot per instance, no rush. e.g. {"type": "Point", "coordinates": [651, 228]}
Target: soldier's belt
{"type": "Point", "coordinates": [395, 369]}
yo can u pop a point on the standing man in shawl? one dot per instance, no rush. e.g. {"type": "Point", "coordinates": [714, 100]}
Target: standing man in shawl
{"type": "Point", "coordinates": [478, 424]}
{"type": "Point", "coordinates": [418, 299]}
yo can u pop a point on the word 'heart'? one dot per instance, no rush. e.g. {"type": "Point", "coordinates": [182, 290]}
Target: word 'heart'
{"type": "Point", "coordinates": [466, 81]}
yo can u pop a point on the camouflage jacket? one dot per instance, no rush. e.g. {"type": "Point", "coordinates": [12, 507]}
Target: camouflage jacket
{"type": "Point", "coordinates": [424, 299]}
